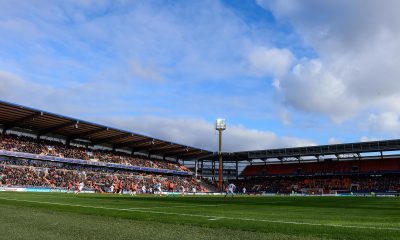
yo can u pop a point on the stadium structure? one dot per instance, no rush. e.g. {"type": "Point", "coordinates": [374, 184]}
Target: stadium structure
{"type": "Point", "coordinates": [149, 188]}
{"type": "Point", "coordinates": [353, 168]}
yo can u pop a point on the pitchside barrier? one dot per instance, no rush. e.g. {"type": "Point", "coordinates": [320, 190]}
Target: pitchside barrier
{"type": "Point", "coordinates": [38, 189]}
{"type": "Point", "coordinates": [59, 190]}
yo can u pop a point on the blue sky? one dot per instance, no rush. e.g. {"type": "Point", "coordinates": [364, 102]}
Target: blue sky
{"type": "Point", "coordinates": [283, 73]}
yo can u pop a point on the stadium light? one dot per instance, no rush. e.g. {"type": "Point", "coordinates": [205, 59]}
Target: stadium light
{"type": "Point", "coordinates": [220, 125]}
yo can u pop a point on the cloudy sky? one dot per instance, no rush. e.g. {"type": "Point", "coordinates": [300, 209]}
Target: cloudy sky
{"type": "Point", "coordinates": [283, 73]}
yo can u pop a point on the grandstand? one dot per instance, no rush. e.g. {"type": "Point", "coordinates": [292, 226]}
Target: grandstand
{"type": "Point", "coordinates": [52, 151]}
{"type": "Point", "coordinates": [51, 141]}
{"type": "Point", "coordinates": [352, 168]}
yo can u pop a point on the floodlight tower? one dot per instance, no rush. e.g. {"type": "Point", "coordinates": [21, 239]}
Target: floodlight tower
{"type": "Point", "coordinates": [220, 125]}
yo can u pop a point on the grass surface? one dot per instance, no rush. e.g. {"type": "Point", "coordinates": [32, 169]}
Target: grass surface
{"type": "Point", "coordinates": [92, 216]}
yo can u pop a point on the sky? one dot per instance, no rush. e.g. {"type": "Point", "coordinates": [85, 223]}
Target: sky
{"type": "Point", "coordinates": [283, 73]}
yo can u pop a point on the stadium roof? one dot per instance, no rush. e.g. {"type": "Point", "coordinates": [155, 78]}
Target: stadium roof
{"type": "Point", "coordinates": [323, 150]}
{"type": "Point", "coordinates": [13, 116]}
{"type": "Point", "coordinates": [298, 153]}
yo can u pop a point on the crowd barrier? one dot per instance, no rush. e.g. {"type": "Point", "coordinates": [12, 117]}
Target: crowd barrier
{"type": "Point", "coordinates": [37, 189]}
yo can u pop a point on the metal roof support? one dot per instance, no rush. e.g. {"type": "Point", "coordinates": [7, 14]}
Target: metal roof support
{"type": "Point", "coordinates": [55, 128]}
{"type": "Point", "coordinates": [196, 167]}
{"type": "Point", "coordinates": [168, 150]}
{"type": "Point", "coordinates": [202, 168]}
{"type": "Point", "coordinates": [21, 121]}
{"type": "Point", "coordinates": [87, 133]}
{"type": "Point", "coordinates": [177, 154]}
{"type": "Point", "coordinates": [134, 143]}
{"type": "Point", "coordinates": [153, 148]}
{"type": "Point", "coordinates": [109, 139]}
{"type": "Point", "coordinates": [192, 155]}
{"type": "Point", "coordinates": [213, 170]}
{"type": "Point", "coordinates": [237, 170]}
{"type": "Point", "coordinates": [264, 160]}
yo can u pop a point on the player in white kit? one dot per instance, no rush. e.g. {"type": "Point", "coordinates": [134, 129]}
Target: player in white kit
{"type": "Point", "coordinates": [81, 185]}
{"type": "Point", "coordinates": [231, 190]}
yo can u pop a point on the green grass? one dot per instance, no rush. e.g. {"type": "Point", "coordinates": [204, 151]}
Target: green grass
{"type": "Point", "coordinates": [93, 216]}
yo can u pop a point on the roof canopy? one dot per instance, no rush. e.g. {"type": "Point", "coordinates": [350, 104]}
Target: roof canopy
{"type": "Point", "coordinates": [43, 123]}
{"type": "Point", "coordinates": [316, 152]}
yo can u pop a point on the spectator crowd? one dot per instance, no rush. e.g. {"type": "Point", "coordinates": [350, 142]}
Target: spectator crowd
{"type": "Point", "coordinates": [55, 148]}
{"type": "Point", "coordinates": [331, 184]}
{"type": "Point", "coordinates": [36, 173]}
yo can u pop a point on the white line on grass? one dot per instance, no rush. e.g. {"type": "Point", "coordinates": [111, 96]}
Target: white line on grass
{"type": "Point", "coordinates": [167, 205]}
{"type": "Point", "coordinates": [182, 206]}
{"type": "Point", "coordinates": [209, 217]}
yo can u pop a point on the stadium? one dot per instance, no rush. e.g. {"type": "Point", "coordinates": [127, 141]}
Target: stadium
{"type": "Point", "coordinates": [115, 174]}
{"type": "Point", "coordinates": [210, 119]}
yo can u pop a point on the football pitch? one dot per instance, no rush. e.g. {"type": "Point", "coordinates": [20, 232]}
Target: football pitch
{"type": "Point", "coordinates": [97, 216]}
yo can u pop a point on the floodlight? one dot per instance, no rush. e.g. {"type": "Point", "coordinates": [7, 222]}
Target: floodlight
{"type": "Point", "coordinates": [220, 124]}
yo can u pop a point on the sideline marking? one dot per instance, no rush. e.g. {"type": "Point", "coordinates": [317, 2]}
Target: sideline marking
{"type": "Point", "coordinates": [184, 206]}
{"type": "Point", "coordinates": [213, 218]}
{"type": "Point", "coordinates": [167, 205]}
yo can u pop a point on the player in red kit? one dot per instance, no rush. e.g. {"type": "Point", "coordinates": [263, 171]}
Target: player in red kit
{"type": "Point", "coordinates": [69, 187]}
{"type": "Point", "coordinates": [121, 187]}
{"type": "Point", "coordinates": [77, 188]}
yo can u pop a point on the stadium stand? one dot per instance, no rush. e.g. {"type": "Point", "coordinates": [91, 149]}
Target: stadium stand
{"type": "Point", "coordinates": [51, 148]}
{"type": "Point", "coordinates": [36, 173]}
{"type": "Point", "coordinates": [389, 184]}
{"type": "Point", "coordinates": [33, 173]}
{"type": "Point", "coordinates": [321, 168]}
{"type": "Point", "coordinates": [41, 149]}
{"type": "Point", "coordinates": [351, 176]}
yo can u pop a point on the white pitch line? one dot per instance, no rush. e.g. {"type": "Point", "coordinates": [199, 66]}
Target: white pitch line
{"type": "Point", "coordinates": [206, 216]}
{"type": "Point", "coordinates": [172, 205]}
{"type": "Point", "coordinates": [181, 206]}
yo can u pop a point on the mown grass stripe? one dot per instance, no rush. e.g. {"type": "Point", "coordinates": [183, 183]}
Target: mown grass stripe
{"type": "Point", "coordinates": [204, 216]}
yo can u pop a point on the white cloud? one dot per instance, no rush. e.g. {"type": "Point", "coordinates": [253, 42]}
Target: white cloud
{"type": "Point", "coordinates": [311, 87]}
{"type": "Point", "coordinates": [333, 140]}
{"type": "Point", "coordinates": [270, 61]}
{"type": "Point", "coordinates": [388, 122]}
{"type": "Point", "coordinates": [75, 99]}
{"type": "Point", "coordinates": [286, 117]}
{"type": "Point", "coordinates": [368, 139]}
{"type": "Point", "coordinates": [357, 45]}
{"type": "Point", "coordinates": [149, 72]}
{"type": "Point", "coordinates": [200, 133]}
